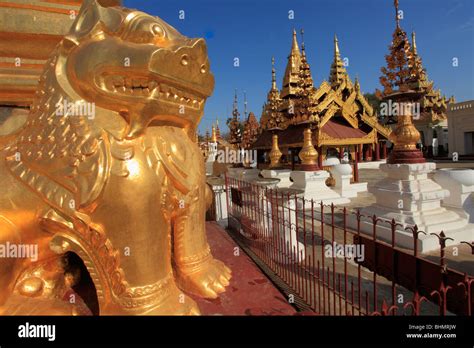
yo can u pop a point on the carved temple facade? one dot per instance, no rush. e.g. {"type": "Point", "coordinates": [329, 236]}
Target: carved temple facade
{"type": "Point", "coordinates": [343, 123]}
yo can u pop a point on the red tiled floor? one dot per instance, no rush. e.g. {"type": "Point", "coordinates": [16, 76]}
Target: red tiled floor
{"type": "Point", "coordinates": [250, 292]}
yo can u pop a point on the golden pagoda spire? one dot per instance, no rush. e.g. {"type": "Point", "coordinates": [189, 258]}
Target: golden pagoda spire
{"type": "Point", "coordinates": [338, 71]}
{"type": "Point", "coordinates": [336, 46]}
{"type": "Point", "coordinates": [218, 131]}
{"type": "Point", "coordinates": [413, 43]}
{"type": "Point", "coordinates": [235, 111]}
{"type": "Point", "coordinates": [271, 115]}
{"type": "Point", "coordinates": [419, 79]}
{"type": "Point", "coordinates": [234, 125]}
{"type": "Point", "coordinates": [305, 82]}
{"type": "Point", "coordinates": [397, 18]}
{"type": "Point", "coordinates": [294, 45]}
{"type": "Point", "coordinates": [274, 83]}
{"type": "Point", "coordinates": [245, 105]}
{"type": "Point", "coordinates": [303, 51]}
{"type": "Point", "coordinates": [290, 78]}
{"type": "Point", "coordinates": [214, 134]}
{"type": "Point", "coordinates": [305, 105]}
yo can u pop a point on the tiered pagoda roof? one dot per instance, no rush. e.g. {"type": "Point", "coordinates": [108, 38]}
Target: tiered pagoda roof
{"type": "Point", "coordinates": [338, 72]}
{"type": "Point", "coordinates": [337, 110]}
{"type": "Point", "coordinates": [433, 103]}
{"type": "Point", "coordinates": [272, 116]}
{"type": "Point", "coordinates": [234, 124]}
{"type": "Point", "coordinates": [291, 77]}
{"type": "Point", "coordinates": [251, 131]}
{"type": "Point", "coordinates": [405, 70]}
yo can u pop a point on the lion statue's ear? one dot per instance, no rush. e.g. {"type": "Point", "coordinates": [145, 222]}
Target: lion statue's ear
{"type": "Point", "coordinates": [86, 20]}
{"type": "Point", "coordinates": [93, 15]}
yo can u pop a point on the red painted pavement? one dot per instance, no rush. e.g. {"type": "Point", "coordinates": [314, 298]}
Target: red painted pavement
{"type": "Point", "coordinates": [249, 292]}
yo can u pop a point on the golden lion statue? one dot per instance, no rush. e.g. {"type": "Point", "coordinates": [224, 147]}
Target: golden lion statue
{"type": "Point", "coordinates": [104, 177]}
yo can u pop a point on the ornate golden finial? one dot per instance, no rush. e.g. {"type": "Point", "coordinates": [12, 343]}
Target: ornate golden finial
{"type": "Point", "coordinates": [214, 134]}
{"type": "Point", "coordinates": [245, 105]}
{"type": "Point", "coordinates": [235, 106]}
{"type": "Point", "coordinates": [397, 19]}
{"type": "Point", "coordinates": [302, 43]}
{"type": "Point", "coordinates": [275, 153]}
{"type": "Point", "coordinates": [234, 125]}
{"type": "Point", "coordinates": [274, 83]}
{"type": "Point", "coordinates": [336, 45]}
{"type": "Point", "coordinates": [413, 42]}
{"type": "Point", "coordinates": [308, 154]}
{"type": "Point", "coordinates": [294, 46]}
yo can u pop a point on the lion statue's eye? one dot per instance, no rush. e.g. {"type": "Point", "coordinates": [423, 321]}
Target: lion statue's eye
{"type": "Point", "coordinates": [158, 31]}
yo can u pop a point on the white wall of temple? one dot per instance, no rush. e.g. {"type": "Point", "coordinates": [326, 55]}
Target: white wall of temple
{"type": "Point", "coordinates": [461, 128]}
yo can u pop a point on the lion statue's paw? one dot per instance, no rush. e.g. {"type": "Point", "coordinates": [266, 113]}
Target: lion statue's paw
{"type": "Point", "coordinates": [208, 281]}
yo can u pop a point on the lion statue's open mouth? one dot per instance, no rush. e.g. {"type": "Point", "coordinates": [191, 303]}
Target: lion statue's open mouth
{"type": "Point", "coordinates": [151, 88]}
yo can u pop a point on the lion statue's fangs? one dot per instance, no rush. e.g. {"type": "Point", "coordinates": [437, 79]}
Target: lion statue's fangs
{"type": "Point", "coordinates": [114, 178]}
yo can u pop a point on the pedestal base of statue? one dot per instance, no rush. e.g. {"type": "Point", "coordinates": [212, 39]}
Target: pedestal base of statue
{"type": "Point", "coordinates": [372, 164]}
{"type": "Point", "coordinates": [242, 173]}
{"type": "Point", "coordinates": [282, 174]}
{"type": "Point", "coordinates": [342, 174]}
{"type": "Point", "coordinates": [220, 199]}
{"type": "Point", "coordinates": [314, 186]}
{"type": "Point", "coordinates": [409, 197]}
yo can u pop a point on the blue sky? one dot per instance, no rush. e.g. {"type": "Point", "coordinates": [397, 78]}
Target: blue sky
{"type": "Point", "coordinates": [256, 30]}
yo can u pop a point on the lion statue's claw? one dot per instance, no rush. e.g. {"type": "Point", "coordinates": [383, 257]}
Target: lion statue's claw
{"type": "Point", "coordinates": [208, 282]}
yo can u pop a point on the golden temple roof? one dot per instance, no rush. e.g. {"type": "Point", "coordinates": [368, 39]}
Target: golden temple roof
{"type": "Point", "coordinates": [338, 72]}
{"type": "Point", "coordinates": [336, 105]}
{"type": "Point", "coordinates": [290, 79]}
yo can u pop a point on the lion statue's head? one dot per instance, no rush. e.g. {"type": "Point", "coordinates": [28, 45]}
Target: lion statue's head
{"type": "Point", "coordinates": [137, 65]}
{"type": "Point", "coordinates": [138, 73]}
